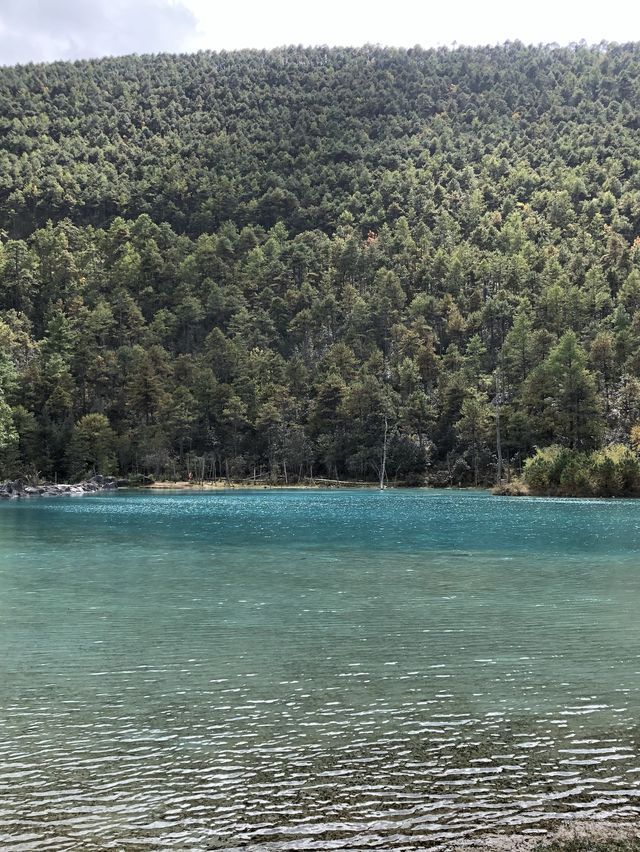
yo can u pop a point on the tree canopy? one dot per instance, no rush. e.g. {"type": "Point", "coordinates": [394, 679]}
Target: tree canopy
{"type": "Point", "coordinates": [259, 262]}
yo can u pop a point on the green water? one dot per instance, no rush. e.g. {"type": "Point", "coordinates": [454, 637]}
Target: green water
{"type": "Point", "coordinates": [291, 670]}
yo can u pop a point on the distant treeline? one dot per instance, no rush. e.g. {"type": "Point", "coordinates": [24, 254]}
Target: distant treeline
{"type": "Point", "coordinates": [259, 262]}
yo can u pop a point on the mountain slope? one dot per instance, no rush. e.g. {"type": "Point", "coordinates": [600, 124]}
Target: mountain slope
{"type": "Point", "coordinates": [250, 260]}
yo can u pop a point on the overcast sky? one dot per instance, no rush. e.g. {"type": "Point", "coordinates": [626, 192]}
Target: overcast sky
{"type": "Point", "coordinates": [44, 30]}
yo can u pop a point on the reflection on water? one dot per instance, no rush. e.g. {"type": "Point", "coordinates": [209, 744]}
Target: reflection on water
{"type": "Point", "coordinates": [314, 670]}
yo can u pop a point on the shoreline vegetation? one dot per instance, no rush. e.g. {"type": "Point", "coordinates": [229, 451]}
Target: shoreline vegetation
{"type": "Point", "coordinates": [552, 472]}
{"type": "Point", "coordinates": [560, 472]}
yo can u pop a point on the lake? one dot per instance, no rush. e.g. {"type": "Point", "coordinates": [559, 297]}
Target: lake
{"type": "Point", "coordinates": [289, 670]}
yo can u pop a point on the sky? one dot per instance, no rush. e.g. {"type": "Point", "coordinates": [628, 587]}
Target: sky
{"type": "Point", "coordinates": [46, 30]}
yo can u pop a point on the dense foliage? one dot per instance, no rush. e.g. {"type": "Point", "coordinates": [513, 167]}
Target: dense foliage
{"type": "Point", "coordinates": [263, 261]}
{"type": "Point", "coordinates": [559, 471]}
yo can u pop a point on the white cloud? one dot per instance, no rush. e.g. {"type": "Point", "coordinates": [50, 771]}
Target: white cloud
{"type": "Point", "coordinates": [36, 30]}
{"type": "Point", "coordinates": [405, 23]}
{"type": "Point", "coordinates": [44, 30]}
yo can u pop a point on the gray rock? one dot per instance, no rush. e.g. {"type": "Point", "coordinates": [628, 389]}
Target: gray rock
{"type": "Point", "coordinates": [17, 487]}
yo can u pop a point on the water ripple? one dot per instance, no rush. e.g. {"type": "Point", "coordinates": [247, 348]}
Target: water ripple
{"type": "Point", "coordinates": [312, 694]}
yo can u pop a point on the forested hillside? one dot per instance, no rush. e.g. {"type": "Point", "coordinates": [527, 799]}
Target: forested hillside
{"type": "Point", "coordinates": [259, 261]}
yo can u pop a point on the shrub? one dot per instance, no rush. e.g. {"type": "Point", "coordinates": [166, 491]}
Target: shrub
{"type": "Point", "coordinates": [615, 470]}
{"type": "Point", "coordinates": [612, 471]}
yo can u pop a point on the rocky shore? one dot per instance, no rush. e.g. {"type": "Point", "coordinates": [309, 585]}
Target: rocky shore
{"type": "Point", "coordinates": [19, 488]}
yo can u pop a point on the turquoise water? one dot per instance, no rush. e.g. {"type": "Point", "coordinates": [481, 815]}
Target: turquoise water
{"type": "Point", "coordinates": [315, 670]}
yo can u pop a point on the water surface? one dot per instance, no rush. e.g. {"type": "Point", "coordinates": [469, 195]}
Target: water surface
{"type": "Point", "coordinates": [316, 670]}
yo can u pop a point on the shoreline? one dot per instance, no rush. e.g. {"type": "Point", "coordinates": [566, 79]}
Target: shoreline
{"type": "Point", "coordinates": [319, 485]}
{"type": "Point", "coordinates": [182, 485]}
{"type": "Point", "coordinates": [20, 489]}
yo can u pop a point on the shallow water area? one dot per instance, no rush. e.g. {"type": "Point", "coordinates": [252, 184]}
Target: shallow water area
{"type": "Point", "coordinates": [290, 670]}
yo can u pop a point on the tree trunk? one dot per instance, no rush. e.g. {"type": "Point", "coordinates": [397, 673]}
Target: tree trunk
{"type": "Point", "coordinates": [498, 436]}
{"type": "Point", "coordinates": [383, 466]}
